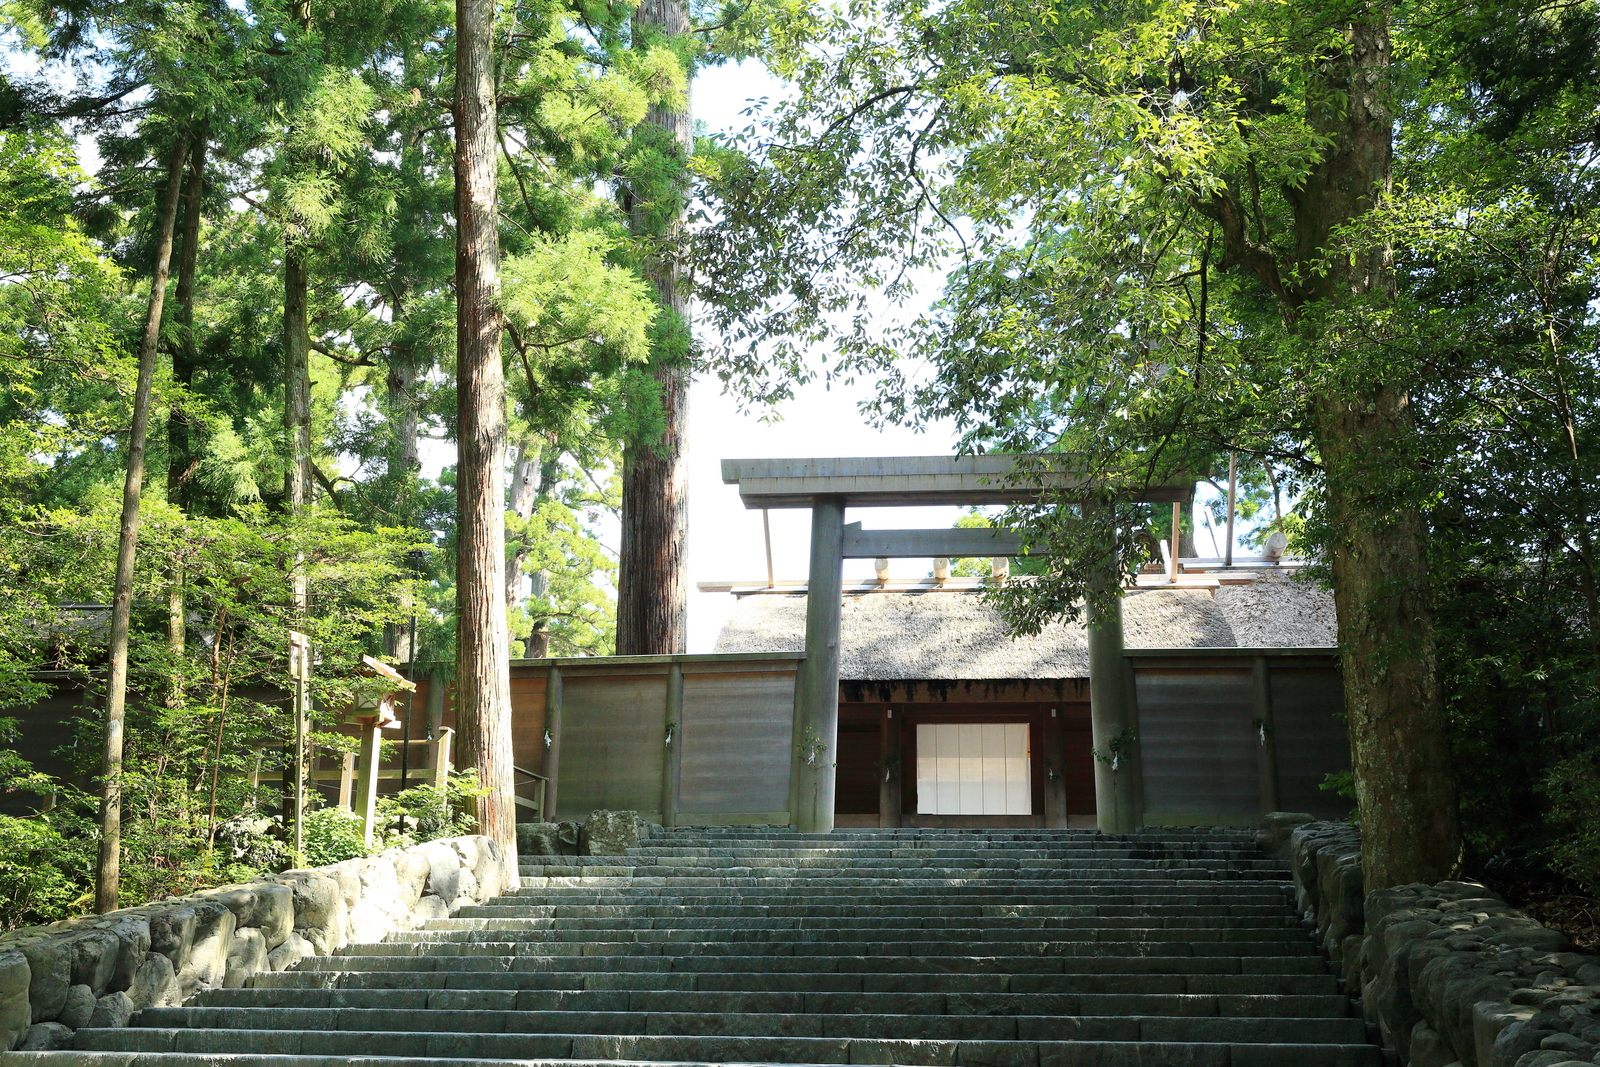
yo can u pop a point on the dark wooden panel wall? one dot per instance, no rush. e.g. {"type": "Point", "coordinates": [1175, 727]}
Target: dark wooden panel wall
{"type": "Point", "coordinates": [1226, 736]}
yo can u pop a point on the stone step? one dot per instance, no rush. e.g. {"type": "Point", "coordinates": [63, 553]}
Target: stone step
{"type": "Point", "coordinates": [844, 929]}
{"type": "Point", "coordinates": [943, 948]}
{"type": "Point", "coordinates": [659, 890]}
{"type": "Point", "coordinates": [826, 941]}
{"type": "Point", "coordinates": [868, 912]}
{"type": "Point", "coordinates": [1014, 833]}
{"type": "Point", "coordinates": [656, 1048]}
{"type": "Point", "coordinates": [930, 876]}
{"type": "Point", "coordinates": [1074, 1054]}
{"type": "Point", "coordinates": [872, 858]}
{"type": "Point", "coordinates": [1127, 870]}
{"type": "Point", "coordinates": [1129, 963]}
{"type": "Point", "coordinates": [1032, 1027]}
{"type": "Point", "coordinates": [1187, 1005]}
{"type": "Point", "coordinates": [1146, 981]}
{"type": "Point", "coordinates": [932, 952]}
{"type": "Point", "coordinates": [993, 916]}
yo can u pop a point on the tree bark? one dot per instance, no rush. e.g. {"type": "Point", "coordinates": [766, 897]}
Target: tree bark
{"type": "Point", "coordinates": [108, 873]}
{"type": "Point", "coordinates": [181, 455]}
{"type": "Point", "coordinates": [524, 497]}
{"type": "Point", "coordinates": [483, 680]}
{"type": "Point", "coordinates": [652, 586]}
{"type": "Point", "coordinates": [404, 465]}
{"type": "Point", "coordinates": [1400, 751]}
{"type": "Point", "coordinates": [298, 478]}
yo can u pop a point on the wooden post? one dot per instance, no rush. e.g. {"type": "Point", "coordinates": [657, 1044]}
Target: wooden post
{"type": "Point", "coordinates": [347, 781]}
{"type": "Point", "coordinates": [1267, 742]}
{"type": "Point", "coordinates": [672, 746]}
{"type": "Point", "coordinates": [300, 681]}
{"type": "Point", "coordinates": [889, 779]}
{"type": "Point", "coordinates": [1176, 542]}
{"type": "Point", "coordinates": [1055, 786]}
{"type": "Point", "coordinates": [811, 780]}
{"type": "Point", "coordinates": [1116, 748]}
{"type": "Point", "coordinates": [552, 754]}
{"type": "Point", "coordinates": [367, 792]}
{"type": "Point", "coordinates": [441, 757]}
{"type": "Point", "coordinates": [766, 532]}
{"type": "Point", "coordinates": [1233, 494]}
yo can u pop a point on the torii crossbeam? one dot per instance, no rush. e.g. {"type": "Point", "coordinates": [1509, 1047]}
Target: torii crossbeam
{"type": "Point", "coordinates": [827, 487]}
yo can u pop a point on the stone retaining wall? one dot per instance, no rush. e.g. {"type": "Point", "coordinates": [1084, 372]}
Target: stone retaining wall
{"type": "Point", "coordinates": [100, 969]}
{"type": "Point", "coordinates": [1451, 974]}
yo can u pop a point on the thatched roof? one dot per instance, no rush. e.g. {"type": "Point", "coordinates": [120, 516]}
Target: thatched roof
{"type": "Point", "coordinates": [939, 634]}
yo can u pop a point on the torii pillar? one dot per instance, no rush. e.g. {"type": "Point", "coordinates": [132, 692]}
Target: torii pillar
{"type": "Point", "coordinates": [827, 487]}
{"type": "Point", "coordinates": [816, 696]}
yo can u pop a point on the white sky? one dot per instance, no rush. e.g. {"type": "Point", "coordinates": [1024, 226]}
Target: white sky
{"type": "Point", "coordinates": [725, 540]}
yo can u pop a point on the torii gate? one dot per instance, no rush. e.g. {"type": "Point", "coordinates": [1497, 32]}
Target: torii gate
{"type": "Point", "coordinates": [828, 487]}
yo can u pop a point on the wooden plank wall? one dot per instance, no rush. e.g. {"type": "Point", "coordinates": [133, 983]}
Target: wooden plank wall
{"type": "Point", "coordinates": [1226, 738]}
{"type": "Point", "coordinates": [1308, 715]}
{"type": "Point", "coordinates": [1198, 745]}
{"type": "Point", "coordinates": [737, 736]}
{"type": "Point", "coordinates": [717, 751]}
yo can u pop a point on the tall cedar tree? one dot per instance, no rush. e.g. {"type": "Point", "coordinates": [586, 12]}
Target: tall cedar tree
{"type": "Point", "coordinates": [108, 873]}
{"type": "Point", "coordinates": [483, 655]}
{"type": "Point", "coordinates": [652, 585]}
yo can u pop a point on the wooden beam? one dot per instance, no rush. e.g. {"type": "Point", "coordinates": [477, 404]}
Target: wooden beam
{"type": "Point", "coordinates": [911, 544]}
{"type": "Point", "coordinates": [672, 747]}
{"type": "Point", "coordinates": [906, 481]}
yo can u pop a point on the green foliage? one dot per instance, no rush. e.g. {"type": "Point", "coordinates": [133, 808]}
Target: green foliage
{"type": "Point", "coordinates": [424, 813]}
{"type": "Point", "coordinates": [44, 872]}
{"type": "Point", "coordinates": [1572, 789]}
{"type": "Point", "coordinates": [333, 835]}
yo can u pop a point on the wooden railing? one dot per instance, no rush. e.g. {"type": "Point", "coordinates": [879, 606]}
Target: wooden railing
{"type": "Point", "coordinates": [536, 785]}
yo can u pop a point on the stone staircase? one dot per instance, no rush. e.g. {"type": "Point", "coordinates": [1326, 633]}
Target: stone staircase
{"type": "Point", "coordinates": [1017, 948]}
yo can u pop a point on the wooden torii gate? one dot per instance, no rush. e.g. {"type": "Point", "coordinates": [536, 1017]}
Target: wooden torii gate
{"type": "Point", "coordinates": [827, 487]}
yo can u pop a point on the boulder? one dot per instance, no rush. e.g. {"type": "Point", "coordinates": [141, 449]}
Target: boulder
{"type": "Point", "coordinates": [611, 833]}
{"type": "Point", "coordinates": [113, 1009]}
{"type": "Point", "coordinates": [49, 959]}
{"type": "Point", "coordinates": [16, 1015]}
{"type": "Point", "coordinates": [291, 952]}
{"type": "Point", "coordinates": [265, 906]}
{"type": "Point", "coordinates": [547, 838]}
{"type": "Point", "coordinates": [1273, 835]}
{"type": "Point", "coordinates": [411, 870]}
{"type": "Point", "coordinates": [155, 983]}
{"type": "Point", "coordinates": [94, 959]}
{"type": "Point", "coordinates": [78, 1008]}
{"type": "Point", "coordinates": [430, 907]}
{"type": "Point", "coordinates": [205, 962]}
{"type": "Point", "coordinates": [1428, 1049]}
{"type": "Point", "coordinates": [44, 1037]}
{"type": "Point", "coordinates": [444, 869]}
{"type": "Point", "coordinates": [247, 956]}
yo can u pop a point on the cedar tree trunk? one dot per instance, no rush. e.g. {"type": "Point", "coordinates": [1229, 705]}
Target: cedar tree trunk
{"type": "Point", "coordinates": [652, 588]}
{"type": "Point", "coordinates": [108, 873]}
{"type": "Point", "coordinates": [483, 679]}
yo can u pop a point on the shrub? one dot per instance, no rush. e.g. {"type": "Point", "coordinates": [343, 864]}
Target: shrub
{"type": "Point", "coordinates": [43, 873]}
{"type": "Point", "coordinates": [333, 835]}
{"type": "Point", "coordinates": [427, 813]}
{"type": "Point", "coordinates": [1572, 787]}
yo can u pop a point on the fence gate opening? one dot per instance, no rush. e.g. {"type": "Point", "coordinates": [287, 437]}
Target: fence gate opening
{"type": "Point", "coordinates": [973, 769]}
